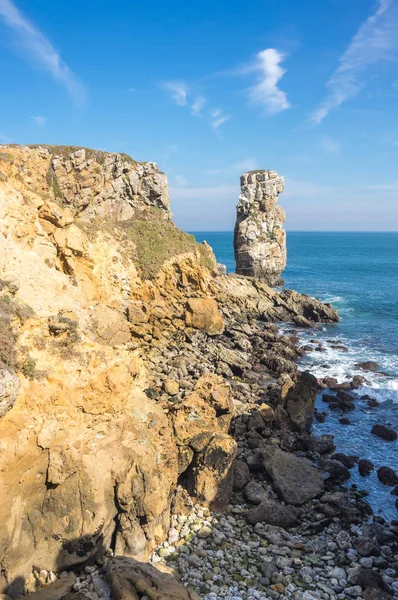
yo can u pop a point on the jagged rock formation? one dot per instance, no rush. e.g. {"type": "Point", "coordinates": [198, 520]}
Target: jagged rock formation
{"type": "Point", "coordinates": [113, 386]}
{"type": "Point", "coordinates": [259, 238]}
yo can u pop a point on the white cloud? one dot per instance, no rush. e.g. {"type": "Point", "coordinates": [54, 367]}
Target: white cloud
{"type": "Point", "coordinates": [39, 121]}
{"type": "Point", "coordinates": [178, 91]}
{"type": "Point", "coordinates": [375, 41]}
{"type": "Point", "coordinates": [131, 90]}
{"type": "Point", "coordinates": [216, 123]}
{"type": "Point", "coordinates": [266, 91]}
{"type": "Point", "coordinates": [330, 145]}
{"type": "Point", "coordinates": [181, 181]}
{"type": "Point", "coordinates": [38, 50]}
{"type": "Point", "coordinates": [197, 105]}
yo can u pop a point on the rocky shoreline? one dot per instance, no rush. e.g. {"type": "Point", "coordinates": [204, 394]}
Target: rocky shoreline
{"type": "Point", "coordinates": [150, 408]}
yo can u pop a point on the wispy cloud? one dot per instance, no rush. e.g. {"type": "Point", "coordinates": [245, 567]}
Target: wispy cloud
{"type": "Point", "coordinates": [181, 95]}
{"type": "Point", "coordinates": [197, 105]}
{"type": "Point", "coordinates": [329, 145]}
{"type": "Point", "coordinates": [218, 121]}
{"type": "Point", "coordinates": [38, 50]}
{"type": "Point", "coordinates": [178, 91]}
{"type": "Point", "coordinates": [39, 121]}
{"type": "Point", "coordinates": [375, 41]}
{"type": "Point", "coordinates": [266, 92]}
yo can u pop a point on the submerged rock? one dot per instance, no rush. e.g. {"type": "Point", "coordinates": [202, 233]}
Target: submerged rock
{"type": "Point", "coordinates": [384, 433]}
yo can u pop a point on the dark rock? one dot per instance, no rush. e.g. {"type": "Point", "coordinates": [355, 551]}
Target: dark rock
{"type": "Point", "coordinates": [368, 365]}
{"type": "Point", "coordinates": [364, 545]}
{"type": "Point", "coordinates": [274, 514]}
{"type": "Point", "coordinates": [394, 492]}
{"type": "Point", "coordinates": [347, 461]}
{"type": "Point", "coordinates": [299, 402]}
{"type": "Point", "coordinates": [322, 444]}
{"type": "Point", "coordinates": [384, 432]}
{"type": "Point", "coordinates": [295, 480]}
{"type": "Point", "coordinates": [387, 476]}
{"type": "Point", "coordinates": [372, 403]}
{"type": "Point", "coordinates": [241, 475]}
{"type": "Point", "coordinates": [255, 493]}
{"type": "Point", "coordinates": [335, 469]}
{"type": "Point", "coordinates": [365, 467]}
{"type": "Point", "coordinates": [344, 421]}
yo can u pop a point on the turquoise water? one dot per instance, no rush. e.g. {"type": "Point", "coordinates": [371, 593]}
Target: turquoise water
{"type": "Point", "coordinates": [358, 274]}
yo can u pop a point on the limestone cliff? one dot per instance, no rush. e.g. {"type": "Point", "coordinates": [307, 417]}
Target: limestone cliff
{"type": "Point", "coordinates": [259, 239]}
{"type": "Point", "coordinates": [114, 376]}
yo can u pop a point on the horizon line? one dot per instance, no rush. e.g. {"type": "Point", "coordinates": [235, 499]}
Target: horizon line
{"type": "Point", "coordinates": [303, 230]}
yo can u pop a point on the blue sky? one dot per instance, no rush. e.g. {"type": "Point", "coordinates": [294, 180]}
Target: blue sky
{"type": "Point", "coordinates": [212, 89]}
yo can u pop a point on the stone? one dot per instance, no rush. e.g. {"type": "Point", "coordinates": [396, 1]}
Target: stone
{"type": "Point", "coordinates": [364, 545]}
{"type": "Point", "coordinates": [130, 579]}
{"type": "Point", "coordinates": [299, 403]}
{"type": "Point", "coordinates": [387, 476]}
{"type": "Point", "coordinates": [334, 468]}
{"type": "Point", "coordinates": [365, 467]}
{"type": "Point", "coordinates": [274, 514]}
{"type": "Point", "coordinates": [266, 412]}
{"type": "Point", "coordinates": [203, 313]}
{"type": "Point", "coordinates": [171, 387]}
{"type": "Point", "coordinates": [348, 461]}
{"type": "Point", "coordinates": [241, 475]}
{"type": "Point", "coordinates": [295, 480]}
{"type": "Point", "coordinates": [368, 365]}
{"type": "Point", "coordinates": [56, 590]}
{"type": "Point", "coordinates": [211, 477]}
{"type": "Point", "coordinates": [259, 237]}
{"type": "Point", "coordinates": [384, 432]}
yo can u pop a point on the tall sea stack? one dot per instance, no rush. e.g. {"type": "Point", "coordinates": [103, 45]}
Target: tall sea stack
{"type": "Point", "coordinates": [259, 237]}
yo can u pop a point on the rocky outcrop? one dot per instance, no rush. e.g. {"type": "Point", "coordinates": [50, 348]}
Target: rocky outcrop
{"type": "Point", "coordinates": [131, 580]}
{"type": "Point", "coordinates": [259, 238]}
{"type": "Point", "coordinates": [120, 346]}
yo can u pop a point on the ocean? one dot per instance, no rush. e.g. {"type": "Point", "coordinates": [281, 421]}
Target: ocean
{"type": "Point", "coordinates": [358, 274]}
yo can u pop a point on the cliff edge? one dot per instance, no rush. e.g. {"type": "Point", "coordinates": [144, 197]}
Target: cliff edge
{"type": "Point", "coordinates": [118, 356]}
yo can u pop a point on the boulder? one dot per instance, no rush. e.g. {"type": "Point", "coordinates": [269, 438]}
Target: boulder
{"type": "Point", "coordinates": [241, 475]}
{"type": "Point", "coordinates": [295, 480]}
{"type": "Point", "coordinates": [387, 476]}
{"type": "Point", "coordinates": [274, 513]}
{"type": "Point", "coordinates": [335, 468]}
{"type": "Point", "coordinates": [299, 402]}
{"type": "Point", "coordinates": [211, 476]}
{"type": "Point", "coordinates": [130, 580]}
{"type": "Point", "coordinates": [365, 467]}
{"type": "Point", "coordinates": [384, 433]}
{"type": "Point", "coordinates": [368, 365]}
{"type": "Point", "coordinates": [203, 313]}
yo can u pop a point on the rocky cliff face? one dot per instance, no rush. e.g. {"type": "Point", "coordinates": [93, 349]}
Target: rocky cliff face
{"type": "Point", "coordinates": [259, 239]}
{"type": "Point", "coordinates": [116, 359]}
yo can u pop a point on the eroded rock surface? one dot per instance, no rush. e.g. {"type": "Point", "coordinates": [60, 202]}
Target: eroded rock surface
{"type": "Point", "coordinates": [120, 380]}
{"type": "Point", "coordinates": [259, 239]}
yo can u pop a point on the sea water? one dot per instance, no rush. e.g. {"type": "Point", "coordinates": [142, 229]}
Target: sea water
{"type": "Point", "coordinates": [358, 274]}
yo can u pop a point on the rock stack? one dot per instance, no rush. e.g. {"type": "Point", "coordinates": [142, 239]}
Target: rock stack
{"type": "Point", "coordinates": [259, 238]}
